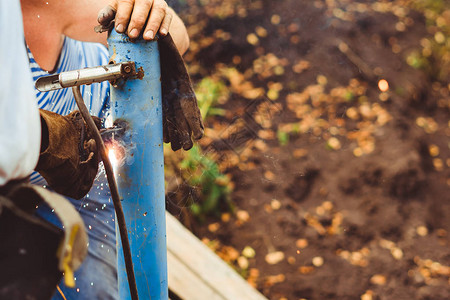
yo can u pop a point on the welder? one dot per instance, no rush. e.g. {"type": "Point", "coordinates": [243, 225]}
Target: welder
{"type": "Point", "coordinates": [33, 253]}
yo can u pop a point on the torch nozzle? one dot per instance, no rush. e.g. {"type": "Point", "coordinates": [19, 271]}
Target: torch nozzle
{"type": "Point", "coordinates": [117, 131]}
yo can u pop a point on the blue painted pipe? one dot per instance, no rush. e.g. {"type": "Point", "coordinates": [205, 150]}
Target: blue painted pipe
{"type": "Point", "coordinates": [140, 177]}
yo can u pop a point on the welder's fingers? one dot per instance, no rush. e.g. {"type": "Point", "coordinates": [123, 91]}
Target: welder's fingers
{"type": "Point", "coordinates": [164, 29]}
{"type": "Point", "coordinates": [140, 14]}
{"type": "Point", "coordinates": [123, 15]}
{"type": "Point", "coordinates": [158, 15]}
{"type": "Point", "coordinates": [106, 15]}
{"type": "Point", "coordinates": [193, 117]}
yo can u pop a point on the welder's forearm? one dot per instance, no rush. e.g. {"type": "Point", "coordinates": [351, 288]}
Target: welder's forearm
{"type": "Point", "coordinates": [179, 33]}
{"type": "Point", "coordinates": [19, 118]}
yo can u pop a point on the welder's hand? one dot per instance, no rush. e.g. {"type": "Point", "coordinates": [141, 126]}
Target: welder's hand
{"type": "Point", "coordinates": [182, 120]}
{"type": "Point", "coordinates": [131, 16]}
{"type": "Point", "coordinates": [69, 157]}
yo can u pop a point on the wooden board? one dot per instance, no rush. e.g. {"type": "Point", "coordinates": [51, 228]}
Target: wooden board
{"type": "Point", "coordinates": [197, 273]}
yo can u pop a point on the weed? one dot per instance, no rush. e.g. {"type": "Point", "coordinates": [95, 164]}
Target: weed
{"type": "Point", "coordinates": [434, 57]}
{"type": "Point", "coordinates": [210, 92]}
{"type": "Point", "coordinates": [211, 187]}
{"type": "Point", "coordinates": [199, 183]}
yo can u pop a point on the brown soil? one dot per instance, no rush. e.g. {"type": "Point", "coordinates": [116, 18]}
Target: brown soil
{"type": "Point", "coordinates": [364, 189]}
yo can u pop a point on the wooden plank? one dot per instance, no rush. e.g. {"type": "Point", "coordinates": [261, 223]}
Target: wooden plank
{"type": "Point", "coordinates": [197, 273]}
{"type": "Point", "coordinates": [185, 283]}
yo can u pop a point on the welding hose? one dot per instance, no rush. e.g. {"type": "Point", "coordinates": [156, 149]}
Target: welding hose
{"type": "Point", "coordinates": [114, 192]}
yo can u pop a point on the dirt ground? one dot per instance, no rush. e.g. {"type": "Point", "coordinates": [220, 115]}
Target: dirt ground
{"type": "Point", "coordinates": [342, 185]}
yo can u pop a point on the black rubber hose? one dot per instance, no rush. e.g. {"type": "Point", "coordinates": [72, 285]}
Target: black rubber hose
{"type": "Point", "coordinates": [114, 191]}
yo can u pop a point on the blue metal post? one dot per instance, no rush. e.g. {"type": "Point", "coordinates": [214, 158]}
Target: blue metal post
{"type": "Point", "coordinates": [141, 177]}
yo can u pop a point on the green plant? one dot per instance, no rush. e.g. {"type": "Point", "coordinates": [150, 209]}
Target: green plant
{"type": "Point", "coordinates": [211, 187]}
{"type": "Point", "coordinates": [210, 92]}
{"type": "Point", "coordinates": [283, 137]}
{"type": "Point", "coordinates": [204, 188]}
{"type": "Point", "coordinates": [434, 57]}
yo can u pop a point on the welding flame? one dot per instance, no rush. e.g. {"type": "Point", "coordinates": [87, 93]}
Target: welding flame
{"type": "Point", "coordinates": [113, 158]}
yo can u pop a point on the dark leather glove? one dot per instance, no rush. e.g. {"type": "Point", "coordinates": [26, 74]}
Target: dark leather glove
{"type": "Point", "coordinates": [182, 120]}
{"type": "Point", "coordinates": [69, 158]}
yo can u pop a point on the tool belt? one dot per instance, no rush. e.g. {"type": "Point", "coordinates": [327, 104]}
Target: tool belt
{"type": "Point", "coordinates": [34, 253]}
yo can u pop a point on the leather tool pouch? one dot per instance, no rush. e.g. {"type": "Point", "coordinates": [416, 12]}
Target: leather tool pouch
{"type": "Point", "coordinates": [31, 248]}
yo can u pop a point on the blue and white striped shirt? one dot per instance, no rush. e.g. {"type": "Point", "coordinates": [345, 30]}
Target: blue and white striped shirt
{"type": "Point", "coordinates": [74, 55]}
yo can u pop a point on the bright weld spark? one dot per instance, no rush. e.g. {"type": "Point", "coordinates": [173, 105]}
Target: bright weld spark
{"type": "Point", "coordinates": [113, 159]}
{"type": "Point", "coordinates": [383, 85]}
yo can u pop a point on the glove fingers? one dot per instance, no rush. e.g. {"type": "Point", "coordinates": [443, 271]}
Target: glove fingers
{"type": "Point", "coordinates": [193, 117]}
{"type": "Point", "coordinates": [184, 131]}
{"type": "Point", "coordinates": [186, 140]}
{"type": "Point", "coordinates": [174, 138]}
{"type": "Point", "coordinates": [179, 135]}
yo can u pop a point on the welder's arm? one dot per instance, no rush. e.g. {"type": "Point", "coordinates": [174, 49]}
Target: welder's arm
{"type": "Point", "coordinates": [19, 118]}
{"type": "Point", "coordinates": [69, 158]}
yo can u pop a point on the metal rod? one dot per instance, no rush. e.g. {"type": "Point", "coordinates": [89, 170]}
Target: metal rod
{"type": "Point", "coordinates": [114, 191]}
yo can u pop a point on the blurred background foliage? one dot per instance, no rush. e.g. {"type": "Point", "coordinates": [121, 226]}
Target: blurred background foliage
{"type": "Point", "coordinates": [326, 145]}
{"type": "Point", "coordinates": [202, 169]}
{"type": "Point", "coordinates": [434, 55]}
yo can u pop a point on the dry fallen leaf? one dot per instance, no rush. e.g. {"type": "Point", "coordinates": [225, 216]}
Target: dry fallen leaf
{"type": "Point", "coordinates": [242, 262]}
{"type": "Point", "coordinates": [274, 279]}
{"type": "Point", "coordinates": [291, 260]}
{"type": "Point", "coordinates": [300, 153]}
{"type": "Point", "coordinates": [269, 175]}
{"type": "Point", "coordinates": [275, 204]}
{"type": "Point", "coordinates": [301, 243]}
{"type": "Point", "coordinates": [317, 261]}
{"type": "Point", "coordinates": [378, 279]}
{"type": "Point", "coordinates": [228, 253]}
{"type": "Point", "coordinates": [242, 215]}
{"type": "Point", "coordinates": [225, 217]}
{"type": "Point", "coordinates": [261, 31]}
{"type": "Point", "coordinates": [213, 227]}
{"type": "Point", "coordinates": [422, 230]}
{"type": "Point", "coordinates": [274, 257]}
{"type": "Point", "coordinates": [253, 277]}
{"type": "Point", "coordinates": [252, 39]}
{"type": "Point", "coordinates": [397, 253]}
{"type": "Point", "coordinates": [275, 19]}
{"type": "Point", "coordinates": [368, 295]}
{"type": "Point", "coordinates": [306, 269]}
{"type": "Point", "coordinates": [248, 252]}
